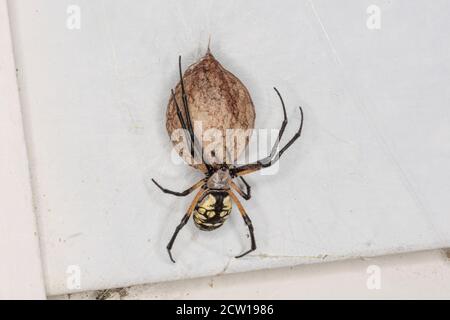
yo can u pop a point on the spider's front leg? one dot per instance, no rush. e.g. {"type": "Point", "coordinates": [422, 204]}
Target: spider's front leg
{"type": "Point", "coordinates": [273, 157]}
{"type": "Point", "coordinates": [187, 125]}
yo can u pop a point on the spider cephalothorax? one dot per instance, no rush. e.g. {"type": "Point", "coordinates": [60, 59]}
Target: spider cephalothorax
{"type": "Point", "coordinates": [212, 204]}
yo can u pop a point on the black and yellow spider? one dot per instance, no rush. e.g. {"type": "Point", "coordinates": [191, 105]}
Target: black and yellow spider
{"type": "Point", "coordinates": [212, 204]}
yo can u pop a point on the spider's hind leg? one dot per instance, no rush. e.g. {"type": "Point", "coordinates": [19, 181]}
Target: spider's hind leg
{"type": "Point", "coordinates": [183, 222]}
{"type": "Point", "coordinates": [247, 221]}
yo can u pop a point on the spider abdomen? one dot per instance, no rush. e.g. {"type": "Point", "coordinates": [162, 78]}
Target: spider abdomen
{"type": "Point", "coordinates": [212, 210]}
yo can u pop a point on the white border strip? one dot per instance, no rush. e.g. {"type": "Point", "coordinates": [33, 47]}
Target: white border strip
{"type": "Point", "coordinates": [20, 262]}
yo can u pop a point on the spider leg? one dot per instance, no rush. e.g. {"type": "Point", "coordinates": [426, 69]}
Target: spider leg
{"type": "Point", "coordinates": [244, 194]}
{"type": "Point", "coordinates": [186, 106]}
{"type": "Point", "coordinates": [183, 193]}
{"type": "Point", "coordinates": [280, 133]}
{"type": "Point", "coordinates": [180, 118]}
{"type": "Point", "coordinates": [295, 137]}
{"type": "Point", "coordinates": [187, 125]}
{"type": "Point", "coordinates": [247, 187]}
{"type": "Point", "coordinates": [183, 222]}
{"type": "Point", "coordinates": [252, 167]}
{"type": "Point", "coordinates": [247, 221]}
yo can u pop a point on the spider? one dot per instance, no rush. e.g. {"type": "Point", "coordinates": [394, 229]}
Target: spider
{"type": "Point", "coordinates": [212, 204]}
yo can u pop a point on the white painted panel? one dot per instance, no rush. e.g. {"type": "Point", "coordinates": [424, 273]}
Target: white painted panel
{"type": "Point", "coordinates": [94, 101]}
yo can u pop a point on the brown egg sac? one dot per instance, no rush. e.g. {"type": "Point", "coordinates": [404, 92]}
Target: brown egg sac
{"type": "Point", "coordinates": [217, 100]}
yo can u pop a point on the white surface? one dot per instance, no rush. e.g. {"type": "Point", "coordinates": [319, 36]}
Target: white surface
{"type": "Point", "coordinates": [421, 275]}
{"type": "Point", "coordinates": [369, 176]}
{"type": "Point", "coordinates": [20, 265]}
